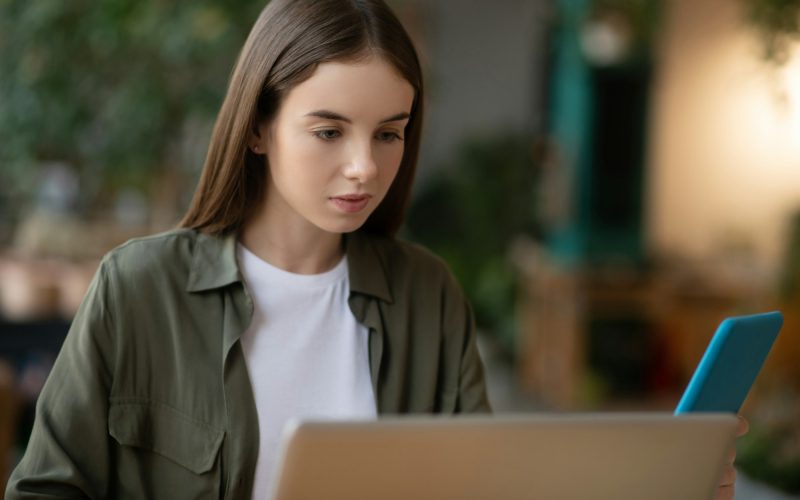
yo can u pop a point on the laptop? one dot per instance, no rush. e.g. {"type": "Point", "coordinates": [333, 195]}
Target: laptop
{"type": "Point", "coordinates": [609, 456]}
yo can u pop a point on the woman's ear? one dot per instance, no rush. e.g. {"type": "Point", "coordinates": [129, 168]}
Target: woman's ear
{"type": "Point", "coordinates": [256, 141]}
{"type": "Point", "coordinates": [255, 147]}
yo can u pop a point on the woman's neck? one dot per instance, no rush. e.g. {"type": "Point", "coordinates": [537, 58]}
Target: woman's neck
{"type": "Point", "coordinates": [298, 248]}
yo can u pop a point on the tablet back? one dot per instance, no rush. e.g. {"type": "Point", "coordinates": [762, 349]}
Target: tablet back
{"type": "Point", "coordinates": [731, 363]}
{"type": "Point", "coordinates": [583, 456]}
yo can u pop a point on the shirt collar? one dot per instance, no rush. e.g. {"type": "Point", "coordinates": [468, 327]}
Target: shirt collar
{"type": "Point", "coordinates": [214, 265]}
{"type": "Point", "coordinates": [368, 272]}
{"type": "Point", "coordinates": [214, 262]}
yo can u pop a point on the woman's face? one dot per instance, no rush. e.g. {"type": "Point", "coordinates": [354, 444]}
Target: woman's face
{"type": "Point", "coordinates": [335, 145]}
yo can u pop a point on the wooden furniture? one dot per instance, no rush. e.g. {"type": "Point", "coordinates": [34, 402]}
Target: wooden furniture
{"type": "Point", "coordinates": [27, 349]}
{"type": "Point", "coordinates": [617, 337]}
{"type": "Point", "coordinates": [9, 405]}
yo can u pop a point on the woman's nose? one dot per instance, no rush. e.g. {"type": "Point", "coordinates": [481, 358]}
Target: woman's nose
{"type": "Point", "coordinates": [362, 166]}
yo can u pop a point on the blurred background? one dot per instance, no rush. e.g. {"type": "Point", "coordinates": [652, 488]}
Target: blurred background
{"type": "Point", "coordinates": [608, 179]}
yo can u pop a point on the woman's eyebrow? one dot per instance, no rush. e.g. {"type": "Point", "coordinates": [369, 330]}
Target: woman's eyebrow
{"type": "Point", "coordinates": [396, 118]}
{"type": "Point", "coordinates": [330, 115]}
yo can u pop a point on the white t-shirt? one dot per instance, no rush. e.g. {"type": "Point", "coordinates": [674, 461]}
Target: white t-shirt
{"type": "Point", "coordinates": [306, 354]}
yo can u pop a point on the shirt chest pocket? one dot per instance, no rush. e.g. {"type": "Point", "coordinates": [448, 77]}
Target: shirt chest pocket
{"type": "Point", "coordinates": [163, 453]}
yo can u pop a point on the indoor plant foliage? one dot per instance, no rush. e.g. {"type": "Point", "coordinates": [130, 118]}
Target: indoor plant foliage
{"type": "Point", "coordinates": [771, 451]}
{"type": "Point", "coordinates": [107, 87]}
{"type": "Point", "coordinates": [470, 210]}
{"type": "Point", "coordinates": [778, 23]}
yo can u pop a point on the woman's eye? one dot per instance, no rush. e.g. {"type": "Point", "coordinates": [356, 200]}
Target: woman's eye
{"type": "Point", "coordinates": [389, 137]}
{"type": "Point", "coordinates": [327, 134]}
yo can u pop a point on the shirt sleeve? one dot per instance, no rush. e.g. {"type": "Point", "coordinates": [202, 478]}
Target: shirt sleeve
{"type": "Point", "coordinates": [459, 325]}
{"type": "Point", "coordinates": [68, 453]}
{"type": "Point", "coordinates": [472, 397]}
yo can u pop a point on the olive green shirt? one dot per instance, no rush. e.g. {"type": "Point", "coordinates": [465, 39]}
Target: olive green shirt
{"type": "Point", "coordinates": [150, 395]}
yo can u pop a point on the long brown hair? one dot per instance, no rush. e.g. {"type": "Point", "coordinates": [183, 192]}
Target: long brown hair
{"type": "Point", "coordinates": [289, 39]}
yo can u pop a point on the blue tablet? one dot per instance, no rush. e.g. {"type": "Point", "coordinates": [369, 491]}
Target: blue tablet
{"type": "Point", "coordinates": [731, 363]}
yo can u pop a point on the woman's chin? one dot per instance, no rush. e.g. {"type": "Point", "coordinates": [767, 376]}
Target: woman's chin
{"type": "Point", "coordinates": [343, 225]}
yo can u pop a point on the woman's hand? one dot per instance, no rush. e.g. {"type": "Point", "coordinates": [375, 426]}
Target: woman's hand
{"type": "Point", "coordinates": [727, 483]}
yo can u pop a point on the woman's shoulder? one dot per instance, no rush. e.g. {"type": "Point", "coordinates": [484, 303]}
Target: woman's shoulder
{"type": "Point", "coordinates": [179, 259]}
{"type": "Point", "coordinates": [410, 263]}
{"type": "Point", "coordinates": [168, 249]}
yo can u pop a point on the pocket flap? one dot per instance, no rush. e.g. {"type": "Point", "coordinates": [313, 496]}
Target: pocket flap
{"type": "Point", "coordinates": [167, 432]}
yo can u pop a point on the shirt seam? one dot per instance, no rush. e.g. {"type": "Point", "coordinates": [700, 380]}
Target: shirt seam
{"type": "Point", "coordinates": [139, 401]}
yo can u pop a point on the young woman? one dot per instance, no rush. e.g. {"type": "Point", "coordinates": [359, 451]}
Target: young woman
{"type": "Point", "coordinates": [283, 294]}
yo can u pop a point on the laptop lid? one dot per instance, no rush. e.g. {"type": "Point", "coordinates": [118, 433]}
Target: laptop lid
{"type": "Point", "coordinates": [576, 456]}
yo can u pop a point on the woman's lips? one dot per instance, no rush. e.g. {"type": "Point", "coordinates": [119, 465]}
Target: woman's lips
{"type": "Point", "coordinates": [351, 203]}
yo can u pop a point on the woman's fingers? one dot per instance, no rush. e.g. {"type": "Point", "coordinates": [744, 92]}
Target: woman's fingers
{"type": "Point", "coordinates": [728, 476]}
{"type": "Point", "coordinates": [743, 426]}
{"type": "Point", "coordinates": [728, 480]}
{"type": "Point", "coordinates": [731, 456]}
{"type": "Point", "coordinates": [727, 484]}
{"type": "Point", "coordinates": [725, 493]}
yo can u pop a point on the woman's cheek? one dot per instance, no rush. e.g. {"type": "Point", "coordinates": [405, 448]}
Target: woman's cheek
{"type": "Point", "coordinates": [391, 155]}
